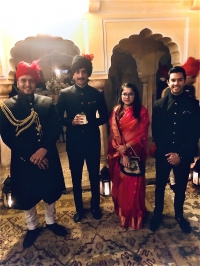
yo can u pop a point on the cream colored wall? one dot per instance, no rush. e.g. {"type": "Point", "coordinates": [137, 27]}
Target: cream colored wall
{"type": "Point", "coordinates": [100, 32]}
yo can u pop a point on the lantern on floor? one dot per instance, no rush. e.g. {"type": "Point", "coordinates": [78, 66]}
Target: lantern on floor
{"type": "Point", "coordinates": [105, 188]}
{"type": "Point", "coordinates": [196, 173]}
{"type": "Point", "coordinates": [6, 193]}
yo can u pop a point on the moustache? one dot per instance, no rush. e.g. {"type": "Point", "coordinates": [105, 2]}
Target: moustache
{"type": "Point", "coordinates": [81, 79]}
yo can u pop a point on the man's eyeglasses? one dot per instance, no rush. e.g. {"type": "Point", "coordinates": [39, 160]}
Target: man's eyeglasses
{"type": "Point", "coordinates": [131, 94]}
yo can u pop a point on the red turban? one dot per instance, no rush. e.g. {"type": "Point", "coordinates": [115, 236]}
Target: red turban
{"type": "Point", "coordinates": [32, 69]}
{"type": "Point", "coordinates": [163, 71]}
{"type": "Point", "coordinates": [192, 67]}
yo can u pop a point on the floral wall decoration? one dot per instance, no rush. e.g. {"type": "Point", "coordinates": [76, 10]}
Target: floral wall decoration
{"type": "Point", "coordinates": [54, 86]}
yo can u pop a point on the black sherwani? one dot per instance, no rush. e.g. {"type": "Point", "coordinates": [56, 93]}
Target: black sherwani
{"type": "Point", "coordinates": [174, 129]}
{"type": "Point", "coordinates": [29, 183]}
{"type": "Point", "coordinates": [83, 141]}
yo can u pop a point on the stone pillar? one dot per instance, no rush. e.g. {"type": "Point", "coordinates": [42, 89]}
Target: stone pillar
{"type": "Point", "coordinates": [5, 89]}
{"type": "Point", "coordinates": [99, 84]}
{"type": "Point", "coordinates": [147, 97]}
{"type": "Point", "coordinates": [144, 91]}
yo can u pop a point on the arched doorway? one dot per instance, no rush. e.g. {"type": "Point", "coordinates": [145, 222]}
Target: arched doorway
{"type": "Point", "coordinates": [136, 59]}
{"type": "Point", "coordinates": [53, 52]}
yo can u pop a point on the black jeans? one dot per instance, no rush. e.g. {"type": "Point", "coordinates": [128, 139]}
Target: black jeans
{"type": "Point", "coordinates": [181, 173]}
{"type": "Point", "coordinates": [76, 162]}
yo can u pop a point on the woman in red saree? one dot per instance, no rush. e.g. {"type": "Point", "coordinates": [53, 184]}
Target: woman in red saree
{"type": "Point", "coordinates": [129, 124]}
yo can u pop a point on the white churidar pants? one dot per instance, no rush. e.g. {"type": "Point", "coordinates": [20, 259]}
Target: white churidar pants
{"type": "Point", "coordinates": [32, 219]}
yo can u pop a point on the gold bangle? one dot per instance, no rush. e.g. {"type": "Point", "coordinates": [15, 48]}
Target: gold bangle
{"type": "Point", "coordinates": [127, 145]}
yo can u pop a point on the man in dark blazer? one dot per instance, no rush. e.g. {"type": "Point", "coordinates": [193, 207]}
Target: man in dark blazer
{"type": "Point", "coordinates": [81, 103]}
{"type": "Point", "coordinates": [30, 127]}
{"type": "Point", "coordinates": [175, 132]}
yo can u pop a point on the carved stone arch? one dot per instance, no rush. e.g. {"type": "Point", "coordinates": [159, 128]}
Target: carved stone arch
{"type": "Point", "coordinates": [147, 49]}
{"type": "Point", "coordinates": [145, 35]}
{"type": "Point", "coordinates": [35, 47]}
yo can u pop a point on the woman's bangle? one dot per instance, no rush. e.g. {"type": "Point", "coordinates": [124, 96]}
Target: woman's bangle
{"type": "Point", "coordinates": [127, 145]}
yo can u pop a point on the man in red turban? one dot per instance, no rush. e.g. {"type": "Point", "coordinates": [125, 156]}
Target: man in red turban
{"type": "Point", "coordinates": [32, 69]}
{"type": "Point", "coordinates": [191, 67]}
{"type": "Point", "coordinates": [30, 127]}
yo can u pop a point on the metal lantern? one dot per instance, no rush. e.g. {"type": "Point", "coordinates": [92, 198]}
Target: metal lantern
{"type": "Point", "coordinates": [7, 200]}
{"type": "Point", "coordinates": [196, 178]}
{"type": "Point", "coordinates": [105, 185]}
{"type": "Point", "coordinates": [6, 193]}
{"type": "Point", "coordinates": [196, 173]}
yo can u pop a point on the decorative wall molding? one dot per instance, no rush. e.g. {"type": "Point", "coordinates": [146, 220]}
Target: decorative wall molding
{"type": "Point", "coordinates": [150, 6]}
{"type": "Point", "coordinates": [94, 5]}
{"type": "Point", "coordinates": [195, 5]}
{"type": "Point", "coordinates": [186, 33]}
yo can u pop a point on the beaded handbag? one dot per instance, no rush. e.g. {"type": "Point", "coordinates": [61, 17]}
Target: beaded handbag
{"type": "Point", "coordinates": [136, 168]}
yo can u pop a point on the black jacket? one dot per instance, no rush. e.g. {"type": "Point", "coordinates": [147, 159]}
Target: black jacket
{"type": "Point", "coordinates": [175, 123]}
{"type": "Point", "coordinates": [74, 100]}
{"type": "Point", "coordinates": [29, 183]}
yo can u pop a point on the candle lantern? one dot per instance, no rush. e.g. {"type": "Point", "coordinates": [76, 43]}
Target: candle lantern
{"type": "Point", "coordinates": [196, 173]}
{"type": "Point", "coordinates": [196, 178]}
{"type": "Point", "coordinates": [6, 193]}
{"type": "Point", "coordinates": [105, 187]}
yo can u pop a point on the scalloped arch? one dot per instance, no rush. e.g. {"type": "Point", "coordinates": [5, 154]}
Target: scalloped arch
{"type": "Point", "coordinates": [35, 47]}
{"type": "Point", "coordinates": [145, 35]}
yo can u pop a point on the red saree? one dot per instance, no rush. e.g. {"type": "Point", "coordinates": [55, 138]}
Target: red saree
{"type": "Point", "coordinates": [128, 192]}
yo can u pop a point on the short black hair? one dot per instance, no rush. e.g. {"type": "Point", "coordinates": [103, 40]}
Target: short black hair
{"type": "Point", "coordinates": [177, 69]}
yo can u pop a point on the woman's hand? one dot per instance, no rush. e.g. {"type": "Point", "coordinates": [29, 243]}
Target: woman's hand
{"type": "Point", "coordinates": [121, 148]}
{"type": "Point", "coordinates": [38, 156]}
{"type": "Point", "coordinates": [126, 161]}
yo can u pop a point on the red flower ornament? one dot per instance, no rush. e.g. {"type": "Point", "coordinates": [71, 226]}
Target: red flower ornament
{"type": "Point", "coordinates": [88, 56]}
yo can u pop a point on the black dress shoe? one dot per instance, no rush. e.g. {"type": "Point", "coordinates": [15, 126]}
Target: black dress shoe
{"type": "Point", "coordinates": [184, 225]}
{"type": "Point", "coordinates": [31, 236]}
{"type": "Point", "coordinates": [57, 229]}
{"type": "Point", "coordinates": [96, 214]}
{"type": "Point", "coordinates": [155, 222]}
{"type": "Point", "coordinates": [78, 217]}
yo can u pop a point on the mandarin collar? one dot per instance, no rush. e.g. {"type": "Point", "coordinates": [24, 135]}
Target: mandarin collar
{"type": "Point", "coordinates": [176, 97]}
{"type": "Point", "coordinates": [25, 98]}
{"type": "Point", "coordinates": [80, 88]}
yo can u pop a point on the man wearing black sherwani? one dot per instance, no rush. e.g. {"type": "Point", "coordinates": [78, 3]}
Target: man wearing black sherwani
{"type": "Point", "coordinates": [82, 134]}
{"type": "Point", "coordinates": [175, 132]}
{"type": "Point", "coordinates": [30, 127]}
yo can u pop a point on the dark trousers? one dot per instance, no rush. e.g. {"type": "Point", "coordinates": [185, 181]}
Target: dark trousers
{"type": "Point", "coordinates": [181, 173]}
{"type": "Point", "coordinates": [76, 162]}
